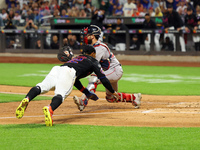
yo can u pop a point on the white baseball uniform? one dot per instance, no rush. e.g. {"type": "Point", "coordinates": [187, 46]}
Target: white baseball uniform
{"type": "Point", "coordinates": [115, 72]}
{"type": "Point", "coordinates": [60, 78]}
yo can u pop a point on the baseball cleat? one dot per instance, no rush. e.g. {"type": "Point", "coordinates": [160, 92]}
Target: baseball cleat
{"type": "Point", "coordinates": [81, 104]}
{"type": "Point", "coordinates": [48, 112]}
{"type": "Point", "coordinates": [137, 101]}
{"type": "Point", "coordinates": [21, 108]}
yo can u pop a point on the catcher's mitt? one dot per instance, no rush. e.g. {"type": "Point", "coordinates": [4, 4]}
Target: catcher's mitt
{"type": "Point", "coordinates": [65, 54]}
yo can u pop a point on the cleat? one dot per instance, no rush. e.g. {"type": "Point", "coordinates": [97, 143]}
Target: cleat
{"type": "Point", "coordinates": [81, 104]}
{"type": "Point", "coordinates": [137, 101]}
{"type": "Point", "coordinates": [48, 112]}
{"type": "Point", "coordinates": [112, 100]}
{"type": "Point", "coordinates": [21, 108]}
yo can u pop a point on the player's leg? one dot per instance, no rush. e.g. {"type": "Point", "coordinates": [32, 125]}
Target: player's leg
{"type": "Point", "coordinates": [64, 85]}
{"type": "Point", "coordinates": [120, 47]}
{"type": "Point", "coordinates": [42, 87]}
{"type": "Point", "coordinates": [182, 43]}
{"type": "Point", "coordinates": [124, 97]}
{"type": "Point", "coordinates": [83, 100]}
{"type": "Point", "coordinates": [147, 42]}
{"type": "Point", "coordinates": [196, 41]}
{"type": "Point", "coordinates": [157, 42]}
{"type": "Point", "coordinates": [135, 99]}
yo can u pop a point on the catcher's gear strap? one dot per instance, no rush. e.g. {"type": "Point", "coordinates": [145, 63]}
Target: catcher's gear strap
{"type": "Point", "coordinates": [121, 97]}
{"type": "Point", "coordinates": [105, 64]}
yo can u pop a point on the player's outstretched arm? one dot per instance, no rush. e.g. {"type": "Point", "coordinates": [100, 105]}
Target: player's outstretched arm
{"type": "Point", "coordinates": [88, 94]}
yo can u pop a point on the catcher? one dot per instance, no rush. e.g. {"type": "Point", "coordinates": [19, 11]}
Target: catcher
{"type": "Point", "coordinates": [112, 69]}
{"type": "Point", "coordinates": [63, 77]}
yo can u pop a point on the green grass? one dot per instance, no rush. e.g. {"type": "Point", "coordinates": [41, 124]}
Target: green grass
{"type": "Point", "coordinates": [85, 137]}
{"type": "Point", "coordinates": [144, 79]}
{"type": "Point", "coordinates": [153, 80]}
{"type": "Point", "coordinates": [5, 98]}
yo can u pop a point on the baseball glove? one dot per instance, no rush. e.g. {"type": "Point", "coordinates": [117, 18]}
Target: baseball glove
{"type": "Point", "coordinates": [65, 54]}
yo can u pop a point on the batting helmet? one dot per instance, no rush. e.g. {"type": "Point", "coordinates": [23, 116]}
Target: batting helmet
{"type": "Point", "coordinates": [65, 54]}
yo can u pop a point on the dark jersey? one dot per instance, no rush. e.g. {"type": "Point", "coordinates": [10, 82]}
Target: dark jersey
{"type": "Point", "coordinates": [190, 21]}
{"type": "Point", "coordinates": [174, 20]}
{"type": "Point", "coordinates": [97, 20]}
{"type": "Point", "coordinates": [121, 37]}
{"type": "Point", "coordinates": [149, 25]}
{"type": "Point", "coordinates": [84, 66]}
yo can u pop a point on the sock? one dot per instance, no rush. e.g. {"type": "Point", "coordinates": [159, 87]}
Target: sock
{"type": "Point", "coordinates": [56, 102]}
{"type": "Point", "coordinates": [51, 111]}
{"type": "Point", "coordinates": [126, 97]}
{"type": "Point", "coordinates": [34, 91]}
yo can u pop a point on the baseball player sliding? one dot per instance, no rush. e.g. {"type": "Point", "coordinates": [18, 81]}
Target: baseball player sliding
{"type": "Point", "coordinates": [62, 78]}
{"type": "Point", "coordinates": [113, 72]}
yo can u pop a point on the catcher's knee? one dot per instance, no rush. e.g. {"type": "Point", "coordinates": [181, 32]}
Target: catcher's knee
{"type": "Point", "coordinates": [93, 78]}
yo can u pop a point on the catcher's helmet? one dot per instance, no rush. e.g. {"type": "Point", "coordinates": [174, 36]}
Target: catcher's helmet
{"type": "Point", "coordinates": [93, 29]}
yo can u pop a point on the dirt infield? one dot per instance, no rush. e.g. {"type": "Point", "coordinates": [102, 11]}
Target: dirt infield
{"type": "Point", "coordinates": [155, 111]}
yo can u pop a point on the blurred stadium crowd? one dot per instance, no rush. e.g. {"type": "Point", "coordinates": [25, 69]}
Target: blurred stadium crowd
{"type": "Point", "coordinates": [20, 11]}
{"type": "Point", "coordinates": [25, 12]}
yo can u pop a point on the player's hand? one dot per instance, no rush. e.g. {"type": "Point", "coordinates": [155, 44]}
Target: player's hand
{"type": "Point", "coordinates": [178, 29]}
{"type": "Point", "coordinates": [187, 29]}
{"type": "Point", "coordinates": [116, 96]}
{"type": "Point", "coordinates": [90, 95]}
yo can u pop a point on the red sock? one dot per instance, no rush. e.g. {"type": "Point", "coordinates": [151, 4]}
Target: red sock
{"type": "Point", "coordinates": [50, 110]}
{"type": "Point", "coordinates": [127, 97]}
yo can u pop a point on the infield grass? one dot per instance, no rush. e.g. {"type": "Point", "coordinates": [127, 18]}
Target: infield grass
{"type": "Point", "coordinates": [155, 80]}
{"type": "Point", "coordinates": [85, 137]}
